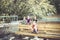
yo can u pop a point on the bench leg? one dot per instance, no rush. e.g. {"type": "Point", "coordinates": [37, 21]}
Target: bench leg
{"type": "Point", "coordinates": [45, 39]}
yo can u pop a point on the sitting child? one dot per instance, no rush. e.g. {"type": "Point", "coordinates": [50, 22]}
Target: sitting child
{"type": "Point", "coordinates": [34, 27]}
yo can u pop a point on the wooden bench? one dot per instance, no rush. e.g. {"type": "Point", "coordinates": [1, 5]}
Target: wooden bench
{"type": "Point", "coordinates": [46, 30]}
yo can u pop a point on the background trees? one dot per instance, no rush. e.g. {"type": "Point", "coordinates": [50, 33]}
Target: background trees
{"type": "Point", "coordinates": [24, 7]}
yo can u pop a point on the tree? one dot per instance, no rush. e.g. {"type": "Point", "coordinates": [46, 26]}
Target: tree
{"type": "Point", "coordinates": [25, 7]}
{"type": "Point", "coordinates": [41, 7]}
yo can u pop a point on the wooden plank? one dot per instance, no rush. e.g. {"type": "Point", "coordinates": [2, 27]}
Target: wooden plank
{"type": "Point", "coordinates": [56, 33]}
{"type": "Point", "coordinates": [47, 28]}
{"type": "Point", "coordinates": [39, 35]}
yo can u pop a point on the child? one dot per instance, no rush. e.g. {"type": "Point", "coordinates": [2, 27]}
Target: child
{"type": "Point", "coordinates": [34, 27]}
{"type": "Point", "coordinates": [28, 20]}
{"type": "Point", "coordinates": [24, 20]}
{"type": "Point", "coordinates": [35, 19]}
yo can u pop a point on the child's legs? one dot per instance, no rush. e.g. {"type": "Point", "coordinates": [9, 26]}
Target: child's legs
{"type": "Point", "coordinates": [35, 31]}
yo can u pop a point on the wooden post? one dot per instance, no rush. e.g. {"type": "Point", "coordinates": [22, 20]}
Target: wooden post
{"type": "Point", "coordinates": [45, 39]}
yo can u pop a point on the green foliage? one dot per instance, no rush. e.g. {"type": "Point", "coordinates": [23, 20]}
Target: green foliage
{"type": "Point", "coordinates": [25, 7]}
{"type": "Point", "coordinates": [42, 8]}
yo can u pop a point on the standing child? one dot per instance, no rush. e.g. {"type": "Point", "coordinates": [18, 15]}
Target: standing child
{"type": "Point", "coordinates": [24, 20]}
{"type": "Point", "coordinates": [35, 19]}
{"type": "Point", "coordinates": [28, 20]}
